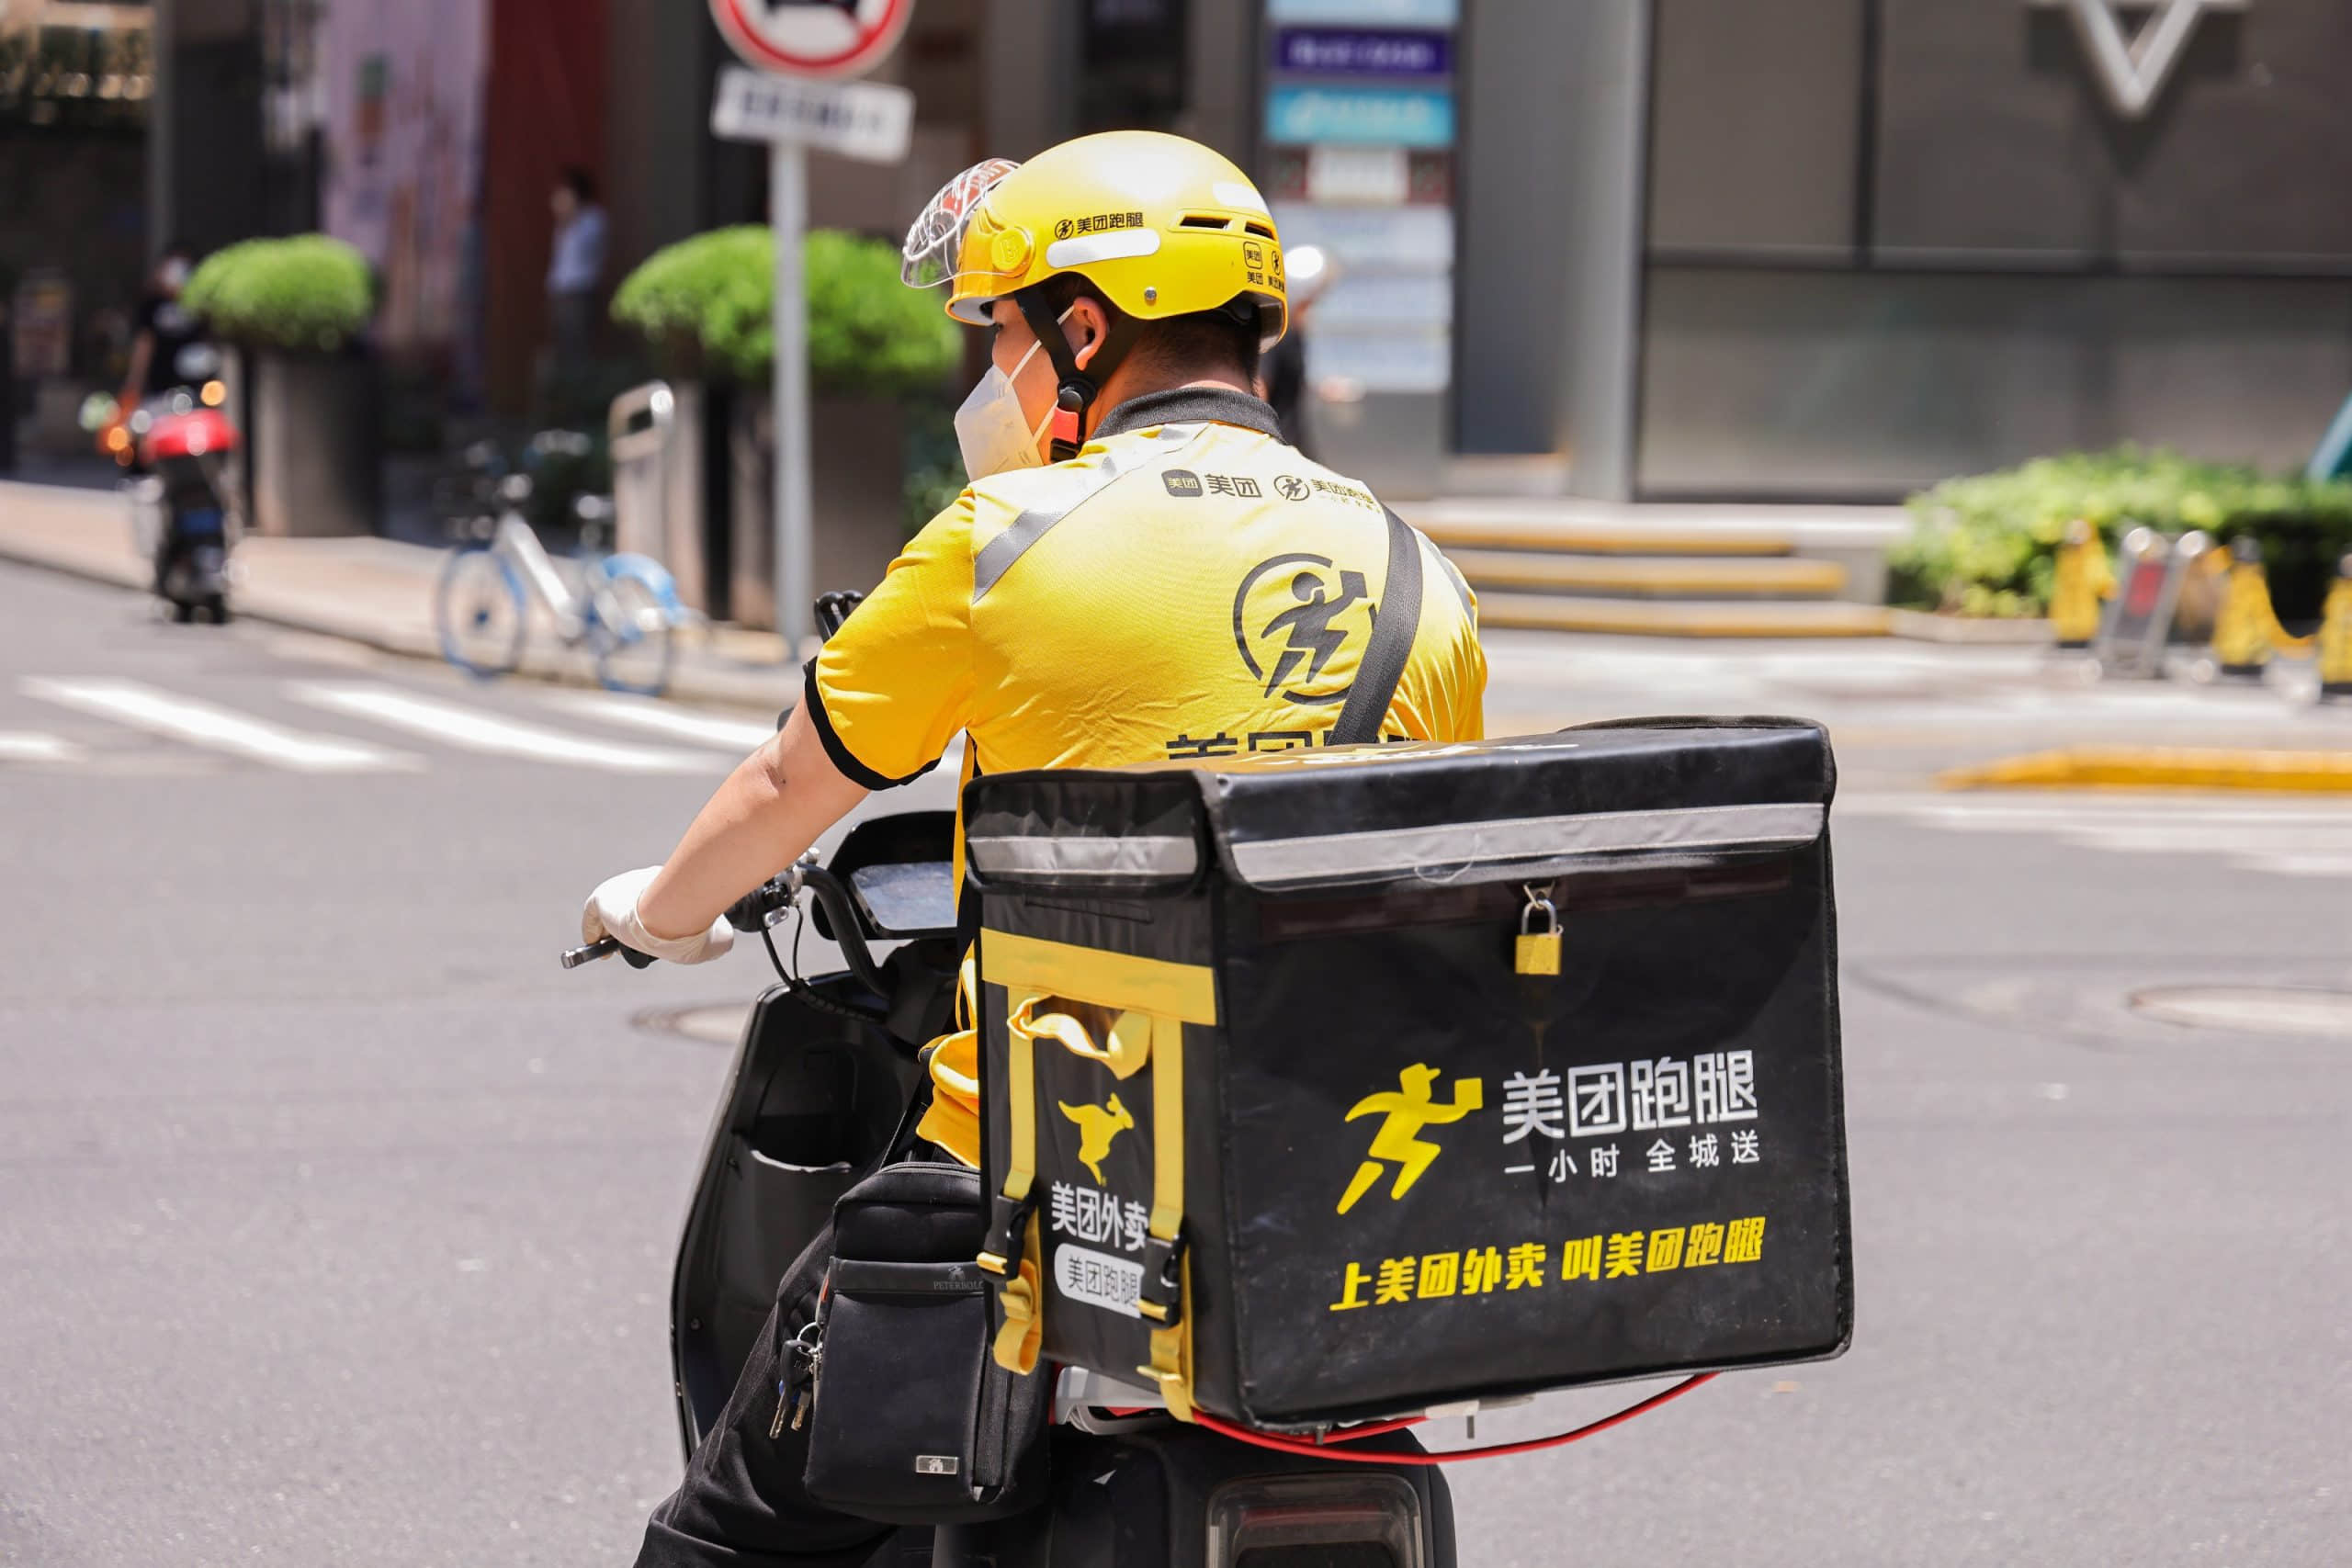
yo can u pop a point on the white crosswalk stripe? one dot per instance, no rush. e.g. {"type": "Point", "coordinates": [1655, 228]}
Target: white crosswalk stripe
{"type": "Point", "coordinates": [664, 718]}
{"type": "Point", "coordinates": [29, 745]}
{"type": "Point", "coordinates": [200, 723]}
{"type": "Point", "coordinates": [2280, 838]}
{"type": "Point", "coordinates": [479, 730]}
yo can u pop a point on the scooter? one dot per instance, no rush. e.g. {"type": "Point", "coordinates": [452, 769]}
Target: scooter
{"type": "Point", "coordinates": [186, 508]}
{"type": "Point", "coordinates": [820, 1084]}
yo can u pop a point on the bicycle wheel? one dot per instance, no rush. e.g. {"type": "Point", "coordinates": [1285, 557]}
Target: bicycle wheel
{"type": "Point", "coordinates": [480, 614]}
{"type": "Point", "coordinates": [632, 622]}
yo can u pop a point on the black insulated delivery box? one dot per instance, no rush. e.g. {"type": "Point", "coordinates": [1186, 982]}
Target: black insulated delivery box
{"type": "Point", "coordinates": [1298, 1109]}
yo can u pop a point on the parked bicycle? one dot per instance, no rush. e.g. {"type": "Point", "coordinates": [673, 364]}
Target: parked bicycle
{"type": "Point", "coordinates": [624, 610]}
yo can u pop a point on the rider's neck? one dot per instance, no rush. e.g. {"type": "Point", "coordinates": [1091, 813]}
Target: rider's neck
{"type": "Point", "coordinates": [1130, 382]}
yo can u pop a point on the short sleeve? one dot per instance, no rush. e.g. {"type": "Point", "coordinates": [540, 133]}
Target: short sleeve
{"type": "Point", "coordinates": [1442, 695]}
{"type": "Point", "coordinates": [894, 685]}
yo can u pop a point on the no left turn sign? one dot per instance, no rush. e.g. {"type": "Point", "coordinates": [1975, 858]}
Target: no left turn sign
{"type": "Point", "coordinates": [813, 38]}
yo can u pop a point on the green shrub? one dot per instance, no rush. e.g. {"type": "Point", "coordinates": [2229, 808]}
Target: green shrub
{"type": "Point", "coordinates": [304, 293]}
{"type": "Point", "coordinates": [707, 304]}
{"type": "Point", "coordinates": [1985, 545]}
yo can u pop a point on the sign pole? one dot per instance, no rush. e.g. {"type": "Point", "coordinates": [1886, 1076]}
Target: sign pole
{"type": "Point", "coordinates": [795, 552]}
{"type": "Point", "coordinates": [796, 96]}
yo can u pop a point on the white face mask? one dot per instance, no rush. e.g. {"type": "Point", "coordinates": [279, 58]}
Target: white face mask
{"type": "Point", "coordinates": [989, 428]}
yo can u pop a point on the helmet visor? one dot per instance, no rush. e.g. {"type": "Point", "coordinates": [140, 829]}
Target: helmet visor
{"type": "Point", "coordinates": [928, 258]}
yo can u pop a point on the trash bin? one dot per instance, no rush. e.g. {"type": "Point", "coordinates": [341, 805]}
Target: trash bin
{"type": "Point", "coordinates": [649, 483]}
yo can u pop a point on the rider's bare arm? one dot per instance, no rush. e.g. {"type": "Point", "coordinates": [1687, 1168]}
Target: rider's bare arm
{"type": "Point", "coordinates": [769, 811]}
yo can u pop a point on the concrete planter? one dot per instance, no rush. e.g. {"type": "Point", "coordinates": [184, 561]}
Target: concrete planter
{"type": "Point", "coordinates": [314, 442]}
{"type": "Point", "coordinates": [858, 488]}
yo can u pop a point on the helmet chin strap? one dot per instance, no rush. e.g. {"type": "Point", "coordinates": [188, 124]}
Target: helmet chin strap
{"type": "Point", "coordinates": [1078, 388]}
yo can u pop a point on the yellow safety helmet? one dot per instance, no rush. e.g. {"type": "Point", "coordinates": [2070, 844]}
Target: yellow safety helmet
{"type": "Point", "coordinates": [1161, 225]}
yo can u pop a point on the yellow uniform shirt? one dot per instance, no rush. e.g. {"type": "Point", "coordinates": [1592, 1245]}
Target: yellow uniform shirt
{"type": "Point", "coordinates": [1186, 587]}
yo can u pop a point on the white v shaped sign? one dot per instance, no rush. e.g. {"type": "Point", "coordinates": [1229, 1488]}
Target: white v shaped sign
{"type": "Point", "coordinates": [2133, 75]}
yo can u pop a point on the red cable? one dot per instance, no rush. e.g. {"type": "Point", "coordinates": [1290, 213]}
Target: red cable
{"type": "Point", "coordinates": [1324, 1450]}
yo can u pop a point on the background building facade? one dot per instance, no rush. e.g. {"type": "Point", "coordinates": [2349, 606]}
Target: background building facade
{"type": "Point", "coordinates": [1755, 249]}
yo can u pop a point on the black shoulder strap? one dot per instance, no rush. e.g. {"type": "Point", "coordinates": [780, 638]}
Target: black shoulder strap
{"type": "Point", "coordinates": [1398, 619]}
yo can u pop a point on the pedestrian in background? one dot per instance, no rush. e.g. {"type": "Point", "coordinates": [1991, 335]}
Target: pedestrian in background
{"type": "Point", "coordinates": [575, 270]}
{"type": "Point", "coordinates": [162, 327]}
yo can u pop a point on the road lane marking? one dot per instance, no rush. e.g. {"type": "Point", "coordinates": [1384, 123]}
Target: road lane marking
{"type": "Point", "coordinates": [476, 729]}
{"type": "Point", "coordinates": [665, 719]}
{"type": "Point", "coordinates": [160, 711]}
{"type": "Point", "coordinates": [30, 746]}
{"type": "Point", "coordinates": [2299, 841]}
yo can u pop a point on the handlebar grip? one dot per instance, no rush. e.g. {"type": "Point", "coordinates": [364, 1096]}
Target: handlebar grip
{"type": "Point", "coordinates": [605, 947]}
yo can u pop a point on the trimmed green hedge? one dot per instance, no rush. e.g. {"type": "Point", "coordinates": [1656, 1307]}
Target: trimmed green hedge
{"type": "Point", "coordinates": [707, 302]}
{"type": "Point", "coordinates": [308, 292]}
{"type": "Point", "coordinates": [1985, 545]}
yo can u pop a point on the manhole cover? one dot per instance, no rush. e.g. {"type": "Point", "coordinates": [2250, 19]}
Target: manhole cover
{"type": "Point", "coordinates": [715, 1024]}
{"type": "Point", "coordinates": [2255, 1010]}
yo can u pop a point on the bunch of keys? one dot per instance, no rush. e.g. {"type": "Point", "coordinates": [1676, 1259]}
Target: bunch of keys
{"type": "Point", "coordinates": [802, 1360]}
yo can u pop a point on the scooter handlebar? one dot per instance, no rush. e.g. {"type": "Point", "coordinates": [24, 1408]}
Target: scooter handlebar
{"type": "Point", "coordinates": [605, 947]}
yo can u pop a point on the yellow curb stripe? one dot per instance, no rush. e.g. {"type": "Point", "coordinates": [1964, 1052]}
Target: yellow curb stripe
{"type": "Point", "coordinates": [1573, 540]}
{"type": "Point", "coordinates": [2161, 767]}
{"type": "Point", "coordinates": [1763, 577]}
{"type": "Point", "coordinates": [1537, 612]}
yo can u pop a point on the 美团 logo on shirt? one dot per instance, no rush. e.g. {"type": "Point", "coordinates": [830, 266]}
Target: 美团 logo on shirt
{"type": "Point", "coordinates": [1292, 614]}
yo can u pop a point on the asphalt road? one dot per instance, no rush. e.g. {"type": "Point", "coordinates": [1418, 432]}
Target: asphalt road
{"type": "Point", "coordinates": [335, 1221]}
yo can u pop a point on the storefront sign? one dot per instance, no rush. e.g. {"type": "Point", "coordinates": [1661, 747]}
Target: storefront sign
{"type": "Point", "coordinates": [1375, 117]}
{"type": "Point", "coordinates": [44, 325]}
{"type": "Point", "coordinates": [1367, 13]}
{"type": "Point", "coordinates": [1410, 360]}
{"type": "Point", "coordinates": [2132, 75]}
{"type": "Point", "coordinates": [1323, 52]}
{"type": "Point", "coordinates": [1395, 239]}
{"type": "Point", "coordinates": [1386, 299]}
{"type": "Point", "coordinates": [1372, 177]}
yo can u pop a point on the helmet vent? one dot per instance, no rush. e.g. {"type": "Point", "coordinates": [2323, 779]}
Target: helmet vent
{"type": "Point", "coordinates": [1261, 230]}
{"type": "Point", "coordinates": [1203, 220]}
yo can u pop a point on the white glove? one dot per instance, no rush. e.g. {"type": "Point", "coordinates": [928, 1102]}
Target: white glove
{"type": "Point", "coordinates": [611, 912]}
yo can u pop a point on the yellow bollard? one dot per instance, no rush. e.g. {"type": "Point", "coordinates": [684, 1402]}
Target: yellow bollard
{"type": "Point", "coordinates": [2246, 633]}
{"type": "Point", "coordinates": [2336, 636]}
{"type": "Point", "coordinates": [2083, 584]}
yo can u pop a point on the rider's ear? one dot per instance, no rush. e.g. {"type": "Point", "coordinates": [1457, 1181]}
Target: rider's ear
{"type": "Point", "coordinates": [1088, 324]}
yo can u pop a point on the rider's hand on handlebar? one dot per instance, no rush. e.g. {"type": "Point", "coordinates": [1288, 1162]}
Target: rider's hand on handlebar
{"type": "Point", "coordinates": [611, 912]}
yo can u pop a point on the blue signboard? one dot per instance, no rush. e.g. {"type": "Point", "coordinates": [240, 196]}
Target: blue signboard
{"type": "Point", "coordinates": [1367, 13]}
{"type": "Point", "coordinates": [1324, 51]}
{"type": "Point", "coordinates": [1380, 117]}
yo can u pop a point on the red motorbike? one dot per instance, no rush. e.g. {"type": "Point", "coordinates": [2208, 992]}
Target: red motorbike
{"type": "Point", "coordinates": [185, 505]}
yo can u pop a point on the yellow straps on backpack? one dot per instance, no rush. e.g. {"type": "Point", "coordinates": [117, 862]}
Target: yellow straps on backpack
{"type": "Point", "coordinates": [1171, 1367]}
{"type": "Point", "coordinates": [953, 1117]}
{"type": "Point", "coordinates": [1024, 1328]}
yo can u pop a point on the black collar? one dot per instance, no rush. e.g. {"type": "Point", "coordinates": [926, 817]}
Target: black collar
{"type": "Point", "coordinates": [1189, 405]}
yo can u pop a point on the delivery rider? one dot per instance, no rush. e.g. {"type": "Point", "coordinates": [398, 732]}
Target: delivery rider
{"type": "Point", "coordinates": [1141, 571]}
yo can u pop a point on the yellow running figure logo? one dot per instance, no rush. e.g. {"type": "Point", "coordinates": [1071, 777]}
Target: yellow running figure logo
{"type": "Point", "coordinates": [1409, 1110]}
{"type": "Point", "coordinates": [1097, 1125]}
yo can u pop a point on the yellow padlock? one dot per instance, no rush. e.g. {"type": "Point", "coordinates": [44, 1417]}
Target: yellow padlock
{"type": "Point", "coordinates": [1538, 952]}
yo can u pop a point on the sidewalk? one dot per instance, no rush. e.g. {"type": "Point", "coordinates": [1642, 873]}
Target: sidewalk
{"type": "Point", "coordinates": [374, 592]}
{"type": "Point", "coordinates": [1904, 714]}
